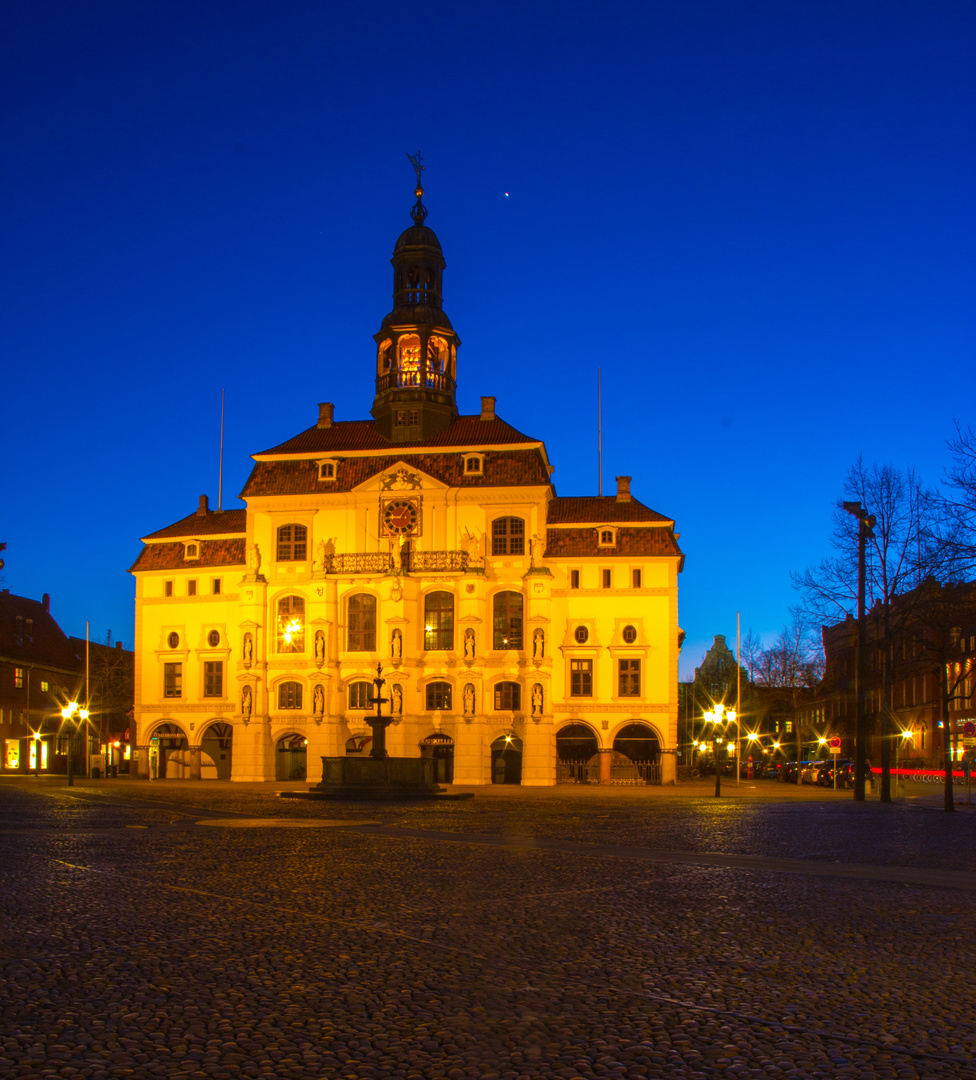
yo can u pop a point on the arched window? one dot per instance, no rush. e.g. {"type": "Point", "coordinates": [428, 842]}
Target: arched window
{"type": "Point", "coordinates": [292, 543]}
{"type": "Point", "coordinates": [439, 621]}
{"type": "Point", "coordinates": [360, 695]}
{"type": "Point", "coordinates": [408, 359]}
{"type": "Point", "coordinates": [438, 696]}
{"type": "Point", "coordinates": [291, 624]}
{"type": "Point", "coordinates": [289, 695]}
{"type": "Point", "coordinates": [362, 623]}
{"type": "Point", "coordinates": [507, 622]}
{"type": "Point", "coordinates": [508, 536]}
{"type": "Point", "coordinates": [508, 695]}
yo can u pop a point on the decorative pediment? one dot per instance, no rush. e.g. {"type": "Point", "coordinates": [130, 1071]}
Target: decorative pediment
{"type": "Point", "coordinates": [403, 477]}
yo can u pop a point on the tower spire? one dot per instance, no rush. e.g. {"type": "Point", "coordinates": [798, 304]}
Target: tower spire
{"type": "Point", "coordinates": [419, 212]}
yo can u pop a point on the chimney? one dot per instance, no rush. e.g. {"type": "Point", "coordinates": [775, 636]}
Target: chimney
{"type": "Point", "coordinates": [487, 408]}
{"type": "Point", "coordinates": [325, 414]}
{"type": "Point", "coordinates": [623, 489]}
{"type": "Point", "coordinates": [203, 508]}
{"type": "Point", "coordinates": [118, 644]}
{"type": "Point", "coordinates": [46, 601]}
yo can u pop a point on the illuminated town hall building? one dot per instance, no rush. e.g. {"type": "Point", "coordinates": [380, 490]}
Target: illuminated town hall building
{"type": "Point", "coordinates": [525, 637]}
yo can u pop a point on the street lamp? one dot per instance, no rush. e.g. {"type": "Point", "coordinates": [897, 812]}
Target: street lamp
{"type": "Point", "coordinates": [720, 715]}
{"type": "Point", "coordinates": [898, 745]}
{"type": "Point", "coordinates": [75, 715]}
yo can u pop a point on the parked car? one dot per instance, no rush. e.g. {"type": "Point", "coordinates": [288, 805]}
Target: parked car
{"type": "Point", "coordinates": [845, 774]}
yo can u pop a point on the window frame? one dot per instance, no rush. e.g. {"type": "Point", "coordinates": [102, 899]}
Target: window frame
{"type": "Point", "coordinates": [513, 690]}
{"type": "Point", "coordinates": [574, 579]}
{"type": "Point", "coordinates": [506, 539]}
{"type": "Point", "coordinates": [366, 634]}
{"type": "Point", "coordinates": [289, 689]}
{"type": "Point", "coordinates": [297, 644]}
{"type": "Point", "coordinates": [438, 688]}
{"type": "Point", "coordinates": [581, 677]}
{"type": "Point", "coordinates": [511, 618]}
{"type": "Point", "coordinates": [294, 546]}
{"type": "Point", "coordinates": [439, 636]}
{"type": "Point", "coordinates": [213, 679]}
{"type": "Point", "coordinates": [629, 677]}
{"type": "Point", "coordinates": [172, 679]}
{"type": "Point", "coordinates": [353, 696]}
{"type": "Point", "coordinates": [606, 536]}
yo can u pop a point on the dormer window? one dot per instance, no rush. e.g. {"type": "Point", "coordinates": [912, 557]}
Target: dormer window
{"type": "Point", "coordinates": [327, 470]}
{"type": "Point", "coordinates": [474, 464]}
{"type": "Point", "coordinates": [607, 537]}
{"type": "Point", "coordinates": [191, 550]}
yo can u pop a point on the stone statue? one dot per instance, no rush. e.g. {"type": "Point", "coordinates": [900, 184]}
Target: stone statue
{"type": "Point", "coordinates": [320, 549]}
{"type": "Point", "coordinates": [396, 645]}
{"type": "Point", "coordinates": [396, 554]}
{"type": "Point", "coordinates": [318, 700]}
{"type": "Point", "coordinates": [538, 644]}
{"type": "Point", "coordinates": [248, 650]}
{"type": "Point", "coordinates": [246, 703]}
{"type": "Point", "coordinates": [537, 700]}
{"type": "Point", "coordinates": [254, 559]}
{"type": "Point", "coordinates": [469, 644]}
{"type": "Point", "coordinates": [396, 705]}
{"type": "Point", "coordinates": [538, 549]}
{"type": "Point", "coordinates": [319, 645]}
{"type": "Point", "coordinates": [468, 699]}
{"type": "Point", "coordinates": [330, 547]}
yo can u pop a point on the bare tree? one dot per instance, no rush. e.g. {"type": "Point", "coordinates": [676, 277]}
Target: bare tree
{"type": "Point", "coordinates": [898, 559]}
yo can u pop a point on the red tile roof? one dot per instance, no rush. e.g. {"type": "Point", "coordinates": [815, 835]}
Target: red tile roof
{"type": "Point", "coordinates": [580, 543]}
{"type": "Point", "coordinates": [214, 522]}
{"type": "Point", "coordinates": [502, 468]}
{"type": "Point", "coordinates": [350, 435]}
{"type": "Point", "coordinates": [599, 509]}
{"type": "Point", "coordinates": [45, 645]}
{"type": "Point", "coordinates": [170, 556]}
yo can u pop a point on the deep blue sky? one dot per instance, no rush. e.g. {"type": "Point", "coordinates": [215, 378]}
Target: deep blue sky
{"type": "Point", "coordinates": [755, 215]}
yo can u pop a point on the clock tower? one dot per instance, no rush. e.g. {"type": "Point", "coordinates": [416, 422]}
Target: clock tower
{"type": "Point", "coordinates": [416, 347]}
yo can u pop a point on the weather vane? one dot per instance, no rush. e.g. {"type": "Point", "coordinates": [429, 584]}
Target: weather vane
{"type": "Point", "coordinates": [419, 212]}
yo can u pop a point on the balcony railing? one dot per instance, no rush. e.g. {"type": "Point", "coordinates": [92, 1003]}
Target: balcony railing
{"type": "Point", "coordinates": [397, 380]}
{"type": "Point", "coordinates": [381, 562]}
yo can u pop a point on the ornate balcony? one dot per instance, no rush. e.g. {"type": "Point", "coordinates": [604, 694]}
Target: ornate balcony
{"type": "Point", "coordinates": [397, 380]}
{"type": "Point", "coordinates": [381, 562]}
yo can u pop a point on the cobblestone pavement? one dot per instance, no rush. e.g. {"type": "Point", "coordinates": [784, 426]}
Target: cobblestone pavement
{"type": "Point", "coordinates": [524, 933]}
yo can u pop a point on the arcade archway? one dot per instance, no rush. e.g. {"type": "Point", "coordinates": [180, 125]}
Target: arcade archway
{"type": "Point", "coordinates": [291, 757]}
{"type": "Point", "coordinates": [577, 757]}
{"type": "Point", "coordinates": [169, 754]}
{"type": "Point", "coordinates": [506, 760]}
{"type": "Point", "coordinates": [216, 747]}
{"type": "Point", "coordinates": [441, 748]}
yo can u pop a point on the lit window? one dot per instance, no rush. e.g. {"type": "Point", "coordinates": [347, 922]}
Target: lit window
{"type": "Point", "coordinates": [292, 543]}
{"type": "Point", "coordinates": [508, 695]}
{"type": "Point", "coordinates": [439, 621]}
{"type": "Point", "coordinates": [581, 678]}
{"type": "Point", "coordinates": [507, 624]}
{"type": "Point", "coordinates": [213, 678]}
{"type": "Point", "coordinates": [581, 634]}
{"type": "Point", "coordinates": [360, 695]}
{"type": "Point", "coordinates": [508, 536]}
{"type": "Point", "coordinates": [291, 624]}
{"type": "Point", "coordinates": [629, 685]}
{"type": "Point", "coordinates": [45, 685]}
{"type": "Point", "coordinates": [438, 696]}
{"type": "Point", "coordinates": [18, 677]}
{"type": "Point", "coordinates": [172, 680]}
{"type": "Point", "coordinates": [362, 623]}
{"type": "Point", "coordinates": [290, 695]}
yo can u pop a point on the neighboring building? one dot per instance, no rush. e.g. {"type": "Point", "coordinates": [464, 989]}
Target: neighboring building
{"type": "Point", "coordinates": [39, 672]}
{"type": "Point", "coordinates": [111, 695]}
{"type": "Point", "coordinates": [519, 633]}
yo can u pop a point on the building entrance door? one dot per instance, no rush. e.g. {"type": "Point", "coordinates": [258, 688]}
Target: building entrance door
{"type": "Point", "coordinates": [506, 760]}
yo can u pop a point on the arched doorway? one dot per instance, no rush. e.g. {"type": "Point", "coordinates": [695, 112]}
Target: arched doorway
{"type": "Point", "coordinates": [215, 752]}
{"type": "Point", "coordinates": [291, 758]}
{"type": "Point", "coordinates": [639, 745]}
{"type": "Point", "coordinates": [441, 749]}
{"type": "Point", "coordinates": [577, 759]}
{"type": "Point", "coordinates": [169, 754]}
{"type": "Point", "coordinates": [506, 760]}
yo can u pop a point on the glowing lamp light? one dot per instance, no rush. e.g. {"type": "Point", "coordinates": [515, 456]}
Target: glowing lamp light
{"type": "Point", "coordinates": [752, 736]}
{"type": "Point", "coordinates": [291, 630]}
{"type": "Point", "coordinates": [822, 740]}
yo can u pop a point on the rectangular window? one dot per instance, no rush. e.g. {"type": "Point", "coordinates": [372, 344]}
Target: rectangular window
{"type": "Point", "coordinates": [29, 632]}
{"type": "Point", "coordinates": [191, 588]}
{"type": "Point", "coordinates": [438, 695]}
{"type": "Point", "coordinates": [635, 578]}
{"type": "Point", "coordinates": [508, 695]}
{"type": "Point", "coordinates": [213, 678]}
{"type": "Point", "coordinates": [18, 677]}
{"type": "Point", "coordinates": [172, 680]}
{"type": "Point", "coordinates": [574, 579]}
{"type": "Point", "coordinates": [361, 695]}
{"type": "Point", "coordinates": [607, 576]}
{"type": "Point", "coordinates": [581, 678]}
{"type": "Point", "coordinates": [167, 588]}
{"type": "Point", "coordinates": [630, 678]}
{"type": "Point", "coordinates": [788, 727]}
{"type": "Point", "coordinates": [45, 685]}
{"type": "Point", "coordinates": [215, 586]}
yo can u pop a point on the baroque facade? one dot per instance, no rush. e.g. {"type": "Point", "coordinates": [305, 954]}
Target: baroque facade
{"type": "Point", "coordinates": [516, 629]}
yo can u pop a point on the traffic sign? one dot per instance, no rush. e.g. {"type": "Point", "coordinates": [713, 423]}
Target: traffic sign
{"type": "Point", "coordinates": [969, 728]}
{"type": "Point", "coordinates": [834, 745]}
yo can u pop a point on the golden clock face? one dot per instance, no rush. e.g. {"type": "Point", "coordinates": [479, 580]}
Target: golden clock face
{"type": "Point", "coordinates": [400, 517]}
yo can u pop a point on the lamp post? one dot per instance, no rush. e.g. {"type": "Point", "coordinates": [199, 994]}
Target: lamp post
{"type": "Point", "coordinates": [865, 523]}
{"type": "Point", "coordinates": [719, 715]}
{"type": "Point", "coordinates": [898, 745]}
{"type": "Point", "coordinates": [73, 714]}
